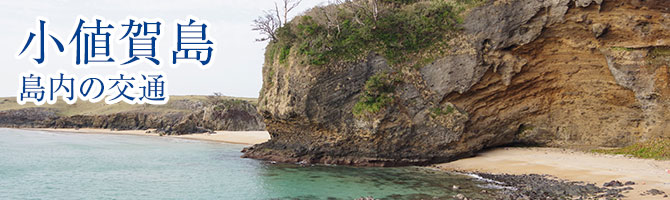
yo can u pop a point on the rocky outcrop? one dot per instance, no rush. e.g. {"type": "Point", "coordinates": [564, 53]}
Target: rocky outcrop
{"type": "Point", "coordinates": [230, 115]}
{"type": "Point", "coordinates": [553, 73]}
{"type": "Point", "coordinates": [27, 117]}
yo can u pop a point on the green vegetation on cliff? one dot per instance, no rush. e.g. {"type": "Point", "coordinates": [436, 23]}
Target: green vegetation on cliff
{"type": "Point", "coordinates": [658, 149]}
{"type": "Point", "coordinates": [377, 93]}
{"type": "Point", "coordinates": [438, 111]}
{"type": "Point", "coordinates": [397, 29]}
{"type": "Point", "coordinates": [407, 33]}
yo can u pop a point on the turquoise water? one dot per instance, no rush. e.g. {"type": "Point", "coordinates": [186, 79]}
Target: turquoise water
{"type": "Point", "coordinates": [48, 165]}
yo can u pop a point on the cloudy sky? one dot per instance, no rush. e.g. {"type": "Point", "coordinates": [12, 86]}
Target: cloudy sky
{"type": "Point", "coordinates": [236, 69]}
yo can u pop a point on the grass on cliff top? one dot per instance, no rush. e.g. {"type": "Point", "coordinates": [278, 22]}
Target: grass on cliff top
{"type": "Point", "coordinates": [408, 33]}
{"type": "Point", "coordinates": [658, 149]}
{"type": "Point", "coordinates": [175, 104]}
{"type": "Point", "coordinates": [404, 30]}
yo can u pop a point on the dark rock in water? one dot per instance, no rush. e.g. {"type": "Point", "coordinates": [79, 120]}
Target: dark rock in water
{"type": "Point", "coordinates": [653, 192]}
{"type": "Point", "coordinates": [534, 186]}
{"type": "Point", "coordinates": [613, 183]}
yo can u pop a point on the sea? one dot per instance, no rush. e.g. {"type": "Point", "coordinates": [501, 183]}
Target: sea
{"type": "Point", "coordinates": [60, 165]}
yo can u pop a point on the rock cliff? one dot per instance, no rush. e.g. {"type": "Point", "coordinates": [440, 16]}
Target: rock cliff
{"type": "Point", "coordinates": [537, 72]}
{"type": "Point", "coordinates": [179, 117]}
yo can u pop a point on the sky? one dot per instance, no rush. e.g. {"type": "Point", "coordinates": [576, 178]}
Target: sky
{"type": "Point", "coordinates": [237, 59]}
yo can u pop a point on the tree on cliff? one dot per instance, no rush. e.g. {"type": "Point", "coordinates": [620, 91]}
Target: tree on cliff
{"type": "Point", "coordinates": [369, 9]}
{"type": "Point", "coordinates": [274, 19]}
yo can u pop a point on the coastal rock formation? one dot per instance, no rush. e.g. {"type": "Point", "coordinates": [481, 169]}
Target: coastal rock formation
{"type": "Point", "coordinates": [27, 117]}
{"type": "Point", "coordinates": [553, 73]}
{"type": "Point", "coordinates": [195, 117]}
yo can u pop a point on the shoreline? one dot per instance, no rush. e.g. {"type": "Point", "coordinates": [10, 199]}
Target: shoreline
{"type": "Point", "coordinates": [570, 165]}
{"type": "Point", "coordinates": [232, 137]}
{"type": "Point", "coordinates": [561, 164]}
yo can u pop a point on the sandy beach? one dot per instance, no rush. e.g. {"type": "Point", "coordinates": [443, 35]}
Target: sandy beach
{"type": "Point", "coordinates": [571, 165]}
{"type": "Point", "coordinates": [235, 137]}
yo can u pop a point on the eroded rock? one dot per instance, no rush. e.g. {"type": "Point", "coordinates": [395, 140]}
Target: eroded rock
{"type": "Point", "coordinates": [526, 71]}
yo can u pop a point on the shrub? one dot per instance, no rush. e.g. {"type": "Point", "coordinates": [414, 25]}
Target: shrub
{"type": "Point", "coordinates": [377, 93]}
{"type": "Point", "coordinates": [285, 51]}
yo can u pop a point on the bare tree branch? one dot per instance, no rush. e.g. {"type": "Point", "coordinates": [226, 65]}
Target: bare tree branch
{"type": "Point", "coordinates": [288, 6]}
{"type": "Point", "coordinates": [277, 14]}
{"type": "Point", "coordinates": [368, 8]}
{"type": "Point", "coordinates": [268, 24]}
{"type": "Point", "coordinates": [332, 19]}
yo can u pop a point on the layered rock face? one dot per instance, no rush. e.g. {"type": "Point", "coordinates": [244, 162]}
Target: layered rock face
{"type": "Point", "coordinates": [540, 72]}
